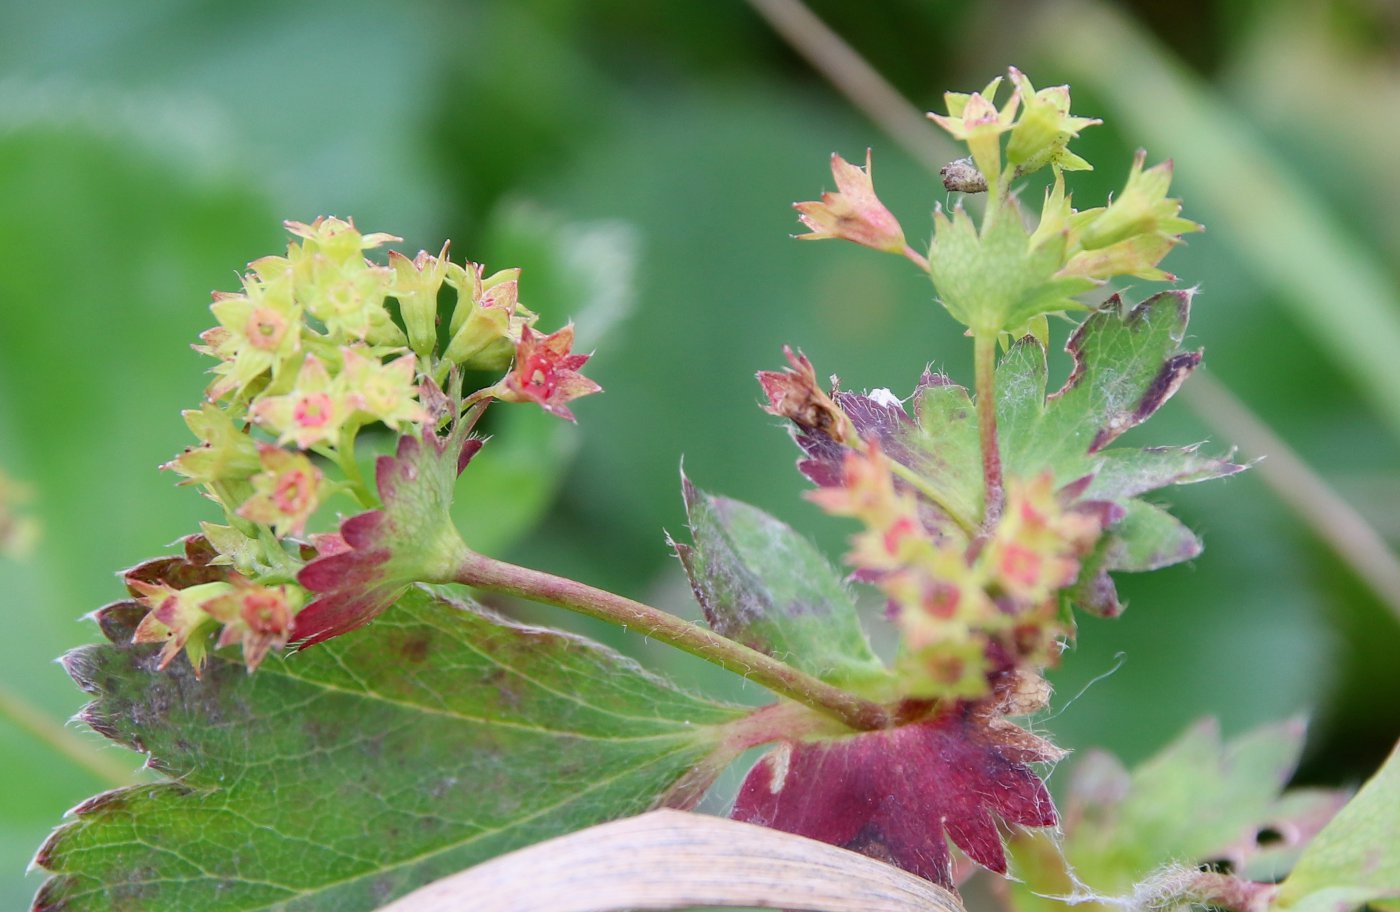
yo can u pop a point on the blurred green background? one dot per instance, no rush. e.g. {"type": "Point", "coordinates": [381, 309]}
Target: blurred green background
{"type": "Point", "coordinates": [639, 159]}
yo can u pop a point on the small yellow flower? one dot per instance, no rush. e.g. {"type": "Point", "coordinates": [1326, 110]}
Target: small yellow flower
{"type": "Point", "coordinates": [383, 392]}
{"type": "Point", "coordinates": [285, 493]}
{"type": "Point", "coordinates": [313, 412]}
{"type": "Point", "coordinates": [976, 120]}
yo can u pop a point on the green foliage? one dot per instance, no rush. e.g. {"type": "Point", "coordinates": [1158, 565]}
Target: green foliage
{"type": "Point", "coordinates": [996, 280]}
{"type": "Point", "coordinates": [344, 776]}
{"type": "Point", "coordinates": [1127, 363]}
{"type": "Point", "coordinates": [1197, 801]}
{"type": "Point", "coordinates": [761, 583]}
{"type": "Point", "coordinates": [1355, 858]}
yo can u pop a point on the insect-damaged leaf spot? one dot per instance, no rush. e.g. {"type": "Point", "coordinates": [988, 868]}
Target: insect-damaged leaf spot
{"type": "Point", "coordinates": [895, 794]}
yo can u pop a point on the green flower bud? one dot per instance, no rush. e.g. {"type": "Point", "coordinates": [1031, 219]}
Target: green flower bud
{"type": "Point", "coordinates": [488, 319]}
{"type": "Point", "coordinates": [1046, 126]}
{"type": "Point", "coordinates": [416, 285]}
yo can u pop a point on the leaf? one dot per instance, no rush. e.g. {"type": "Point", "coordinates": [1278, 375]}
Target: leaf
{"type": "Point", "coordinates": [1126, 364]}
{"type": "Point", "coordinates": [673, 860]}
{"type": "Point", "coordinates": [378, 554]}
{"type": "Point", "coordinates": [1197, 801]}
{"type": "Point", "coordinates": [894, 794]}
{"type": "Point", "coordinates": [763, 584]}
{"type": "Point", "coordinates": [341, 777]}
{"type": "Point", "coordinates": [1292, 239]}
{"type": "Point", "coordinates": [994, 280]}
{"type": "Point", "coordinates": [1356, 857]}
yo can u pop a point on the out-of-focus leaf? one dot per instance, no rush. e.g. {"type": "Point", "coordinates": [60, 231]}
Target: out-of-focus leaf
{"type": "Point", "coordinates": [1196, 801]}
{"type": "Point", "coordinates": [1356, 858]}
{"type": "Point", "coordinates": [763, 584]}
{"type": "Point", "coordinates": [108, 251]}
{"type": "Point", "coordinates": [579, 271]}
{"type": "Point", "coordinates": [346, 775]}
{"type": "Point", "coordinates": [672, 860]}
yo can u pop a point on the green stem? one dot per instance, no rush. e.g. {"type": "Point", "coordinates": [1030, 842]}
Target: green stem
{"type": "Point", "coordinates": [277, 555]}
{"type": "Point", "coordinates": [345, 458]}
{"type": "Point", "coordinates": [482, 397]}
{"type": "Point", "coordinates": [985, 354]}
{"type": "Point", "coordinates": [497, 576]}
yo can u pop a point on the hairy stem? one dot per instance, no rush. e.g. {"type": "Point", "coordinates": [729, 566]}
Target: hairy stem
{"type": "Point", "coordinates": [491, 575]}
{"type": "Point", "coordinates": [985, 353]}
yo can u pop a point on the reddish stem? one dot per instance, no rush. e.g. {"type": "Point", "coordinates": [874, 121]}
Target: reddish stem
{"type": "Point", "coordinates": [985, 354]}
{"type": "Point", "coordinates": [491, 575]}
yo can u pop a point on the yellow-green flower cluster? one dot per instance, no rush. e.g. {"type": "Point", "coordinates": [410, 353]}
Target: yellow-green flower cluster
{"type": "Point", "coordinates": [999, 277]}
{"type": "Point", "coordinates": [309, 351]}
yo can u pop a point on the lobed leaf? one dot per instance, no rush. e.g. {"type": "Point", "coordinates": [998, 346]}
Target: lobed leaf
{"type": "Point", "coordinates": [895, 794]}
{"type": "Point", "coordinates": [1198, 801]}
{"type": "Point", "coordinates": [761, 583]}
{"type": "Point", "coordinates": [342, 777]}
{"type": "Point", "coordinates": [1127, 363]}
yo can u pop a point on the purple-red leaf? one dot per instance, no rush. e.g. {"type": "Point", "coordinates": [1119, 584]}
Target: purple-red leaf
{"type": "Point", "coordinates": [895, 794]}
{"type": "Point", "coordinates": [363, 570]}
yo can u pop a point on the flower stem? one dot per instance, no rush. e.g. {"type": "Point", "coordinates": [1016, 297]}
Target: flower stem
{"type": "Point", "coordinates": [345, 457]}
{"type": "Point", "coordinates": [985, 355]}
{"type": "Point", "coordinates": [491, 575]}
{"type": "Point", "coordinates": [918, 259]}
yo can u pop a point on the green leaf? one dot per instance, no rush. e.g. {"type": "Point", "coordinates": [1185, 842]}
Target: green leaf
{"type": "Point", "coordinates": [1149, 538]}
{"type": "Point", "coordinates": [1356, 857]}
{"type": "Point", "coordinates": [1127, 362]}
{"type": "Point", "coordinates": [343, 776]}
{"type": "Point", "coordinates": [763, 584]}
{"type": "Point", "coordinates": [994, 280]}
{"type": "Point", "coordinates": [1196, 801]}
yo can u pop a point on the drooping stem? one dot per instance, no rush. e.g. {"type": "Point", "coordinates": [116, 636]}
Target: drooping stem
{"type": "Point", "coordinates": [985, 355]}
{"type": "Point", "coordinates": [491, 575]}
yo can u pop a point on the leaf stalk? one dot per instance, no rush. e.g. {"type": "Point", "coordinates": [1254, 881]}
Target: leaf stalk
{"type": "Point", "coordinates": [985, 359]}
{"type": "Point", "coordinates": [488, 574]}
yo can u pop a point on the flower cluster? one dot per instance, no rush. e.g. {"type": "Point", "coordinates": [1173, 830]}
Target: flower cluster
{"type": "Point", "coordinates": [969, 608]}
{"type": "Point", "coordinates": [309, 352]}
{"type": "Point", "coordinates": [1000, 277]}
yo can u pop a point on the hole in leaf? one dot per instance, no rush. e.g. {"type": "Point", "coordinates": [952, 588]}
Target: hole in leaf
{"type": "Point", "coordinates": [1218, 866]}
